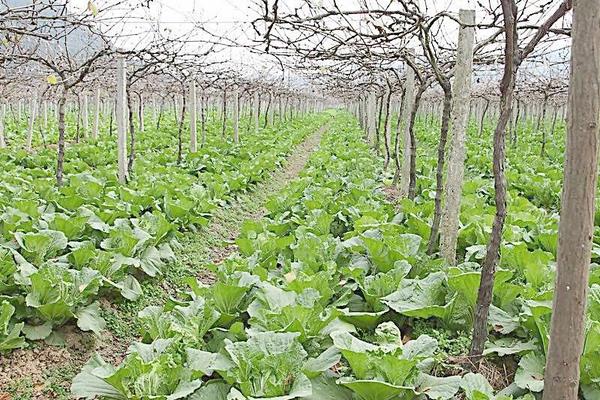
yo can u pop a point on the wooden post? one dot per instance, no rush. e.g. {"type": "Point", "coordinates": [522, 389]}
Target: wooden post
{"type": "Point", "coordinates": [113, 115]}
{"type": "Point", "coordinates": [32, 116]}
{"type": "Point", "coordinates": [409, 100]}
{"type": "Point", "coordinates": [576, 227]}
{"type": "Point", "coordinates": [86, 119]}
{"type": "Point", "coordinates": [256, 106]}
{"type": "Point", "coordinates": [121, 116]}
{"type": "Point", "coordinates": [224, 113]}
{"type": "Point", "coordinates": [154, 110]}
{"type": "Point", "coordinates": [371, 117]}
{"type": "Point", "coordinates": [236, 117]}
{"type": "Point", "coordinates": [96, 126]}
{"type": "Point", "coordinates": [458, 135]}
{"type": "Point", "coordinates": [203, 109]}
{"type": "Point", "coordinates": [193, 108]}
{"type": "Point", "coordinates": [176, 109]}
{"type": "Point", "coordinates": [141, 113]}
{"type": "Point", "coordinates": [270, 111]}
{"type": "Point", "coordinates": [525, 116]}
{"type": "Point", "coordinates": [387, 125]}
{"type": "Point", "coordinates": [60, 158]}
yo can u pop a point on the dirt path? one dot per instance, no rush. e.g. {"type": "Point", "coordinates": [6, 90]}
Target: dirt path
{"type": "Point", "coordinates": [227, 222]}
{"type": "Point", "coordinates": [45, 372]}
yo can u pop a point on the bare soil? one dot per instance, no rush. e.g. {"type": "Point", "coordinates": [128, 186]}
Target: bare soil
{"type": "Point", "coordinates": [392, 194]}
{"type": "Point", "coordinates": [36, 365]}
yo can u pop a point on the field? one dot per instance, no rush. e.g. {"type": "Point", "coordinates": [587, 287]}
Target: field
{"type": "Point", "coordinates": [299, 200]}
{"type": "Point", "coordinates": [245, 271]}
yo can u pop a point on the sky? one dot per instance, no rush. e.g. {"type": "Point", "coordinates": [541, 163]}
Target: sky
{"type": "Point", "coordinates": [231, 19]}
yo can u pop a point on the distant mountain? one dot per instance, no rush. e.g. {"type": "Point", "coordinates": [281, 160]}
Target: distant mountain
{"type": "Point", "coordinates": [78, 42]}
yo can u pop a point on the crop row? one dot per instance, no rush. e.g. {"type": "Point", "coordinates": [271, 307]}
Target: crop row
{"type": "Point", "coordinates": [317, 305]}
{"type": "Point", "coordinates": [63, 248]}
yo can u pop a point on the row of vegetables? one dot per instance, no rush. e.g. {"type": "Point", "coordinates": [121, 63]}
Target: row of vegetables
{"type": "Point", "coordinates": [321, 300]}
{"type": "Point", "coordinates": [61, 249]}
{"type": "Point", "coordinates": [524, 284]}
